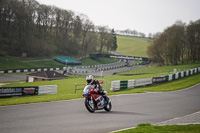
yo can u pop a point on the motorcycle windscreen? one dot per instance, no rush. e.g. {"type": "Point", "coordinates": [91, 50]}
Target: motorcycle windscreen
{"type": "Point", "coordinates": [87, 88]}
{"type": "Point", "coordinates": [86, 91]}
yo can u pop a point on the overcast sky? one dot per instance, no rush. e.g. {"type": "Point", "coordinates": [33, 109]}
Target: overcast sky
{"type": "Point", "coordinates": [147, 16]}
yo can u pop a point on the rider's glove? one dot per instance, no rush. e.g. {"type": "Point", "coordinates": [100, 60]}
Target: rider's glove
{"type": "Point", "coordinates": [96, 90]}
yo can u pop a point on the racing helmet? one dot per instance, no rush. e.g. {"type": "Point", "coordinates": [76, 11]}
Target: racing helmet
{"type": "Point", "coordinates": [89, 79]}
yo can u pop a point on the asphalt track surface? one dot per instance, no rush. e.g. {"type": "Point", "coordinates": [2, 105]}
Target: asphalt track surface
{"type": "Point", "coordinates": [22, 76]}
{"type": "Point", "coordinates": [71, 116]}
{"type": "Point", "coordinates": [12, 77]}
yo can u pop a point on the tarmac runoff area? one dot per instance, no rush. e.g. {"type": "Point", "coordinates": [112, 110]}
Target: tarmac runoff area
{"type": "Point", "coordinates": [184, 120]}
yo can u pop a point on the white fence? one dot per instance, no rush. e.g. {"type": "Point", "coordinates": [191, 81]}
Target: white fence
{"type": "Point", "coordinates": [119, 85]}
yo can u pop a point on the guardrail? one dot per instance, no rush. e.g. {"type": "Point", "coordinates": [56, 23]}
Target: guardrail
{"type": "Point", "coordinates": [121, 85]}
{"type": "Point", "coordinates": [77, 69]}
{"type": "Point", "coordinates": [30, 70]}
{"type": "Point", "coordinates": [74, 70]}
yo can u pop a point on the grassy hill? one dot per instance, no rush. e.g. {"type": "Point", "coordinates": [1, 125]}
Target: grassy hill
{"type": "Point", "coordinates": [132, 46]}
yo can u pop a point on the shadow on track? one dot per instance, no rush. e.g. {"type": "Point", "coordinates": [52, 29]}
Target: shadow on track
{"type": "Point", "coordinates": [119, 113]}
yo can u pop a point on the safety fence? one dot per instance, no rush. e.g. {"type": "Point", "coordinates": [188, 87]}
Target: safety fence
{"type": "Point", "coordinates": [96, 68]}
{"type": "Point", "coordinates": [31, 70]}
{"type": "Point", "coordinates": [30, 90]}
{"type": "Point", "coordinates": [81, 70]}
{"type": "Point", "coordinates": [126, 84]}
{"type": "Point", "coordinates": [75, 69]}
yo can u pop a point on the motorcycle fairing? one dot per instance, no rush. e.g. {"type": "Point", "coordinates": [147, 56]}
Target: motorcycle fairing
{"type": "Point", "coordinates": [86, 91]}
{"type": "Point", "coordinates": [87, 88]}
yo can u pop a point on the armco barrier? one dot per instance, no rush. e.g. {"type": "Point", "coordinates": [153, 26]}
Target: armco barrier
{"type": "Point", "coordinates": [30, 70]}
{"type": "Point", "coordinates": [143, 82]}
{"type": "Point", "coordinates": [158, 79]}
{"type": "Point", "coordinates": [29, 90]}
{"type": "Point", "coordinates": [121, 85]}
{"type": "Point", "coordinates": [115, 85]}
{"type": "Point", "coordinates": [76, 69]}
{"type": "Point", "coordinates": [166, 78]}
{"type": "Point", "coordinates": [131, 83]}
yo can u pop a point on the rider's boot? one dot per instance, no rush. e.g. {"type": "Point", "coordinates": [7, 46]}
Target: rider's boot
{"type": "Point", "coordinates": [104, 93]}
{"type": "Point", "coordinates": [106, 99]}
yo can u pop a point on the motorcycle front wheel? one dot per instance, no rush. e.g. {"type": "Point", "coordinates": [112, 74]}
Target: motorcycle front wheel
{"type": "Point", "coordinates": [90, 104]}
{"type": "Point", "coordinates": [108, 107]}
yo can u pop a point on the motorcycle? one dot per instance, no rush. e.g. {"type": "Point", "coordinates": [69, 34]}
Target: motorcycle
{"type": "Point", "coordinates": [95, 101]}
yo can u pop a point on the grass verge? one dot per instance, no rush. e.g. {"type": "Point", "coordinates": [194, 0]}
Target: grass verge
{"type": "Point", "coordinates": [148, 128]}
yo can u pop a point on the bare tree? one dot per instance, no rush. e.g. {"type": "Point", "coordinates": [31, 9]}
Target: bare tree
{"type": "Point", "coordinates": [102, 37]}
{"type": "Point", "coordinates": [177, 43]}
{"type": "Point", "coordinates": [27, 26]}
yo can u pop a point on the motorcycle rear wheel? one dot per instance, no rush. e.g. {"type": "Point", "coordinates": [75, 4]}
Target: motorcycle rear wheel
{"type": "Point", "coordinates": [90, 104]}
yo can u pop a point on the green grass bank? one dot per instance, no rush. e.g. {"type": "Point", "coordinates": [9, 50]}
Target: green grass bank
{"type": "Point", "coordinates": [147, 128]}
{"type": "Point", "coordinates": [132, 46]}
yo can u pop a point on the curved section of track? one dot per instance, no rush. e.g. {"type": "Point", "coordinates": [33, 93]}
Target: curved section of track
{"type": "Point", "coordinates": [71, 116]}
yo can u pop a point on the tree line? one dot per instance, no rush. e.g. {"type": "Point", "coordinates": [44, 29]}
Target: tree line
{"type": "Point", "coordinates": [129, 32]}
{"type": "Point", "coordinates": [36, 29]}
{"type": "Point", "coordinates": [178, 43]}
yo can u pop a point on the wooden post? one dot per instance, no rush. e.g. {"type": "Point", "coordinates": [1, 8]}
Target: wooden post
{"type": "Point", "coordinates": [75, 87]}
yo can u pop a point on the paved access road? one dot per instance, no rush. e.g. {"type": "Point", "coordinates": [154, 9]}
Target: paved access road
{"type": "Point", "coordinates": [12, 77]}
{"type": "Point", "coordinates": [71, 116]}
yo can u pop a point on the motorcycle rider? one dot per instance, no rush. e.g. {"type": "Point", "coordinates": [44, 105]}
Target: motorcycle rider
{"type": "Point", "coordinates": [91, 81]}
